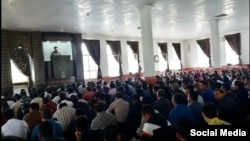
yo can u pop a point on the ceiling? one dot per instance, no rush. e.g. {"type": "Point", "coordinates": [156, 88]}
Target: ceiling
{"type": "Point", "coordinates": [171, 19]}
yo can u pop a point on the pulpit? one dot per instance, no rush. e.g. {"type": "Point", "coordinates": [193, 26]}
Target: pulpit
{"type": "Point", "coordinates": [60, 66]}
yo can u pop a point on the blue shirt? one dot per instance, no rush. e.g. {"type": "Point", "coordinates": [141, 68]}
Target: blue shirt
{"type": "Point", "coordinates": [57, 128]}
{"type": "Point", "coordinates": [178, 112]}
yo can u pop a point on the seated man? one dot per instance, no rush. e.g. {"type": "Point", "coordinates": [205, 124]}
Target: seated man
{"type": "Point", "coordinates": [47, 116]}
{"type": "Point", "coordinates": [46, 132]}
{"type": "Point", "coordinates": [180, 110]}
{"type": "Point", "coordinates": [14, 127]}
{"type": "Point", "coordinates": [103, 118]}
{"type": "Point", "coordinates": [83, 133]}
{"type": "Point", "coordinates": [155, 128]}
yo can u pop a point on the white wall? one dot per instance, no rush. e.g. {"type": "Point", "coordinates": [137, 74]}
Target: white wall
{"type": "Point", "coordinates": [191, 56]}
{"type": "Point", "coordinates": [189, 50]}
{"type": "Point", "coordinates": [123, 40]}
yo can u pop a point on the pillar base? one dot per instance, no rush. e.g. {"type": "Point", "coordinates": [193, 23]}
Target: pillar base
{"type": "Point", "coordinates": [150, 80]}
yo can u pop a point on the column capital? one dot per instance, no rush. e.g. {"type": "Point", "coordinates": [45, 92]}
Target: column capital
{"type": "Point", "coordinates": [145, 7]}
{"type": "Point", "coordinates": [213, 20]}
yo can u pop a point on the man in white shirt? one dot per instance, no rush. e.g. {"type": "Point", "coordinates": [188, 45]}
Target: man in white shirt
{"type": "Point", "coordinates": [64, 115]}
{"type": "Point", "coordinates": [119, 108]}
{"type": "Point", "coordinates": [14, 127]}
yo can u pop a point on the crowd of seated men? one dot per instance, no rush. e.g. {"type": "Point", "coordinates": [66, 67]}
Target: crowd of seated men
{"type": "Point", "coordinates": [128, 110]}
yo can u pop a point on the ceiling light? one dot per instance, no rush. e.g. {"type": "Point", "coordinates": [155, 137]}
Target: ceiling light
{"type": "Point", "coordinates": [127, 22]}
{"type": "Point", "coordinates": [229, 11]}
{"type": "Point", "coordinates": [106, 22]}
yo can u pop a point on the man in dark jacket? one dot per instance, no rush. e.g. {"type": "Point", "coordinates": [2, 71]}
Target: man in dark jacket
{"type": "Point", "coordinates": [156, 128]}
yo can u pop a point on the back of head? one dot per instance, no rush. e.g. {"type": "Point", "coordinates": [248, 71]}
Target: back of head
{"type": "Point", "coordinates": [99, 95]}
{"type": "Point", "coordinates": [148, 109]}
{"type": "Point", "coordinates": [209, 110]}
{"type": "Point", "coordinates": [34, 106]}
{"type": "Point", "coordinates": [160, 93]}
{"type": "Point", "coordinates": [193, 95]}
{"type": "Point", "coordinates": [112, 85]}
{"type": "Point", "coordinates": [99, 106]}
{"type": "Point", "coordinates": [47, 113]}
{"type": "Point", "coordinates": [205, 83]}
{"type": "Point", "coordinates": [79, 112]}
{"type": "Point", "coordinates": [118, 95]}
{"type": "Point", "coordinates": [111, 133]}
{"type": "Point", "coordinates": [46, 129]}
{"type": "Point", "coordinates": [180, 98]}
{"type": "Point", "coordinates": [182, 128]}
{"type": "Point", "coordinates": [81, 123]}
{"type": "Point", "coordinates": [8, 114]}
{"type": "Point", "coordinates": [190, 88]}
{"type": "Point", "coordinates": [62, 96]}
{"type": "Point", "coordinates": [238, 83]}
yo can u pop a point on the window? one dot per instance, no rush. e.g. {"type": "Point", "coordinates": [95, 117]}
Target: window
{"type": "Point", "coordinates": [17, 75]}
{"type": "Point", "coordinates": [89, 65]}
{"type": "Point", "coordinates": [175, 63]}
{"type": "Point", "coordinates": [132, 59]}
{"type": "Point", "coordinates": [162, 62]}
{"type": "Point", "coordinates": [231, 56]}
{"type": "Point", "coordinates": [113, 65]}
{"type": "Point", "coordinates": [202, 60]}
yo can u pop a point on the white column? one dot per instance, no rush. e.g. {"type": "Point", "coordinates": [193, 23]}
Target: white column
{"type": "Point", "coordinates": [124, 51]}
{"type": "Point", "coordinates": [156, 46]}
{"type": "Point", "coordinates": [104, 58]}
{"type": "Point", "coordinates": [147, 40]}
{"type": "Point", "coordinates": [223, 52]}
{"type": "Point", "coordinates": [215, 43]}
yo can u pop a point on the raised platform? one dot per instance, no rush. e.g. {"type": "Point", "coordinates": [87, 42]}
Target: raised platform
{"type": "Point", "coordinates": [60, 81]}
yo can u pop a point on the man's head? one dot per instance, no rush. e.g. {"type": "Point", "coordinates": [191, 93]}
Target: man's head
{"type": "Point", "coordinates": [203, 85]}
{"type": "Point", "coordinates": [47, 114]}
{"type": "Point", "coordinates": [34, 107]}
{"type": "Point", "coordinates": [237, 85]}
{"type": "Point", "coordinates": [8, 114]}
{"type": "Point", "coordinates": [46, 129]}
{"type": "Point", "coordinates": [118, 95]}
{"type": "Point", "coordinates": [99, 106]}
{"type": "Point", "coordinates": [179, 98]}
{"type": "Point", "coordinates": [218, 94]}
{"type": "Point", "coordinates": [81, 124]}
{"type": "Point", "coordinates": [226, 87]}
{"type": "Point", "coordinates": [192, 97]}
{"type": "Point", "coordinates": [111, 133]}
{"type": "Point", "coordinates": [160, 93]}
{"type": "Point", "coordinates": [55, 49]}
{"type": "Point", "coordinates": [188, 89]}
{"type": "Point", "coordinates": [209, 111]}
{"type": "Point", "coordinates": [247, 81]}
{"type": "Point", "coordinates": [147, 112]}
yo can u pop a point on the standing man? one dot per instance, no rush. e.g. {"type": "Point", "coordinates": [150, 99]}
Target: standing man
{"type": "Point", "coordinates": [55, 52]}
